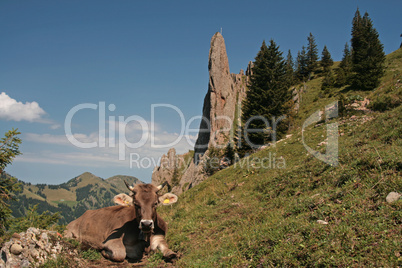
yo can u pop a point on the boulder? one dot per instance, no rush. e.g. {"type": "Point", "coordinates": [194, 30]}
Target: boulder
{"type": "Point", "coordinates": [16, 249]}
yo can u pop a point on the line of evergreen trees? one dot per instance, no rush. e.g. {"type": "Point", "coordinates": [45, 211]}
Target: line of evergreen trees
{"type": "Point", "coordinates": [266, 109]}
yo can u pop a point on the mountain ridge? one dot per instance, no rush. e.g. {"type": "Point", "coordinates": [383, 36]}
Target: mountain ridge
{"type": "Point", "coordinates": [71, 198]}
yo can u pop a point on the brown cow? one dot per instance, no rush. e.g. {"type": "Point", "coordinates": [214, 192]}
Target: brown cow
{"type": "Point", "coordinates": [125, 231]}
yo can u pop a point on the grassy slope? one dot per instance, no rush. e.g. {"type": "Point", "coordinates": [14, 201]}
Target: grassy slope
{"type": "Point", "coordinates": [246, 216]}
{"type": "Point", "coordinates": [32, 195]}
{"type": "Point", "coordinates": [54, 195]}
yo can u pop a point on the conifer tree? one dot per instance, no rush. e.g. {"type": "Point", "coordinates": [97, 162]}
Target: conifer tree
{"type": "Point", "coordinates": [312, 55]}
{"type": "Point", "coordinates": [9, 149]}
{"type": "Point", "coordinates": [301, 69]}
{"type": "Point", "coordinates": [346, 58]}
{"type": "Point", "coordinates": [328, 81]}
{"type": "Point", "coordinates": [326, 60]}
{"type": "Point", "coordinates": [265, 100]}
{"type": "Point", "coordinates": [368, 55]}
{"type": "Point", "coordinates": [344, 71]}
{"type": "Point", "coordinates": [290, 72]}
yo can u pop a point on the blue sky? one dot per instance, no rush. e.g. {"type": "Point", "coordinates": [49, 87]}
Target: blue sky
{"type": "Point", "coordinates": [126, 66]}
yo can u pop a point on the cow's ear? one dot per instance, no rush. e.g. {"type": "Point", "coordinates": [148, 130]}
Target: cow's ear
{"type": "Point", "coordinates": [168, 199]}
{"type": "Point", "coordinates": [123, 200]}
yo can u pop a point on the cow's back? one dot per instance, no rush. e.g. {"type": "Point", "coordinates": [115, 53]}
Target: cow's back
{"type": "Point", "coordinates": [95, 227]}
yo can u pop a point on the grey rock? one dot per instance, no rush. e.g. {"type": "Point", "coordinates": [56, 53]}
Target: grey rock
{"type": "Point", "coordinates": [34, 253]}
{"type": "Point", "coordinates": [16, 249]}
{"type": "Point", "coordinates": [16, 236]}
{"type": "Point", "coordinates": [392, 197]}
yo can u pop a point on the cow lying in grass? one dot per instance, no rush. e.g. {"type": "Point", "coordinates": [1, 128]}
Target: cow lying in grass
{"type": "Point", "coordinates": [127, 230]}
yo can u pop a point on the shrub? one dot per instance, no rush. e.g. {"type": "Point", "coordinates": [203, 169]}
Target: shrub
{"type": "Point", "coordinates": [383, 103]}
{"type": "Point", "coordinates": [59, 262]}
{"type": "Point", "coordinates": [33, 219]}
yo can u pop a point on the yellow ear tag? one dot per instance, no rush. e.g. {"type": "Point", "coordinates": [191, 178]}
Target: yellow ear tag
{"type": "Point", "coordinates": [166, 201]}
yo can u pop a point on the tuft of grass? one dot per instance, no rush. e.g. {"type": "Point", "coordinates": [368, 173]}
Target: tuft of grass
{"type": "Point", "coordinates": [59, 262]}
{"type": "Point", "coordinates": [155, 260]}
{"type": "Point", "coordinates": [91, 254]}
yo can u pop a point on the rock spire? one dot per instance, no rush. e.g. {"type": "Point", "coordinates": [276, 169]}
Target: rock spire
{"type": "Point", "coordinates": [224, 96]}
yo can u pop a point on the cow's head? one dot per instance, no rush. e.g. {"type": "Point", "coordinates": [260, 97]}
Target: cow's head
{"type": "Point", "coordinates": [145, 199]}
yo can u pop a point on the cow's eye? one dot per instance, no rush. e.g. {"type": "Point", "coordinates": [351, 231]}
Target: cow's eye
{"type": "Point", "coordinates": [156, 203]}
{"type": "Point", "coordinates": [137, 205]}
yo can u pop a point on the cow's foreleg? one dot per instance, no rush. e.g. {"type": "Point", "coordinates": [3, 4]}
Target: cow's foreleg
{"type": "Point", "coordinates": [135, 251]}
{"type": "Point", "coordinates": [114, 250]}
{"type": "Point", "coordinates": [159, 242]}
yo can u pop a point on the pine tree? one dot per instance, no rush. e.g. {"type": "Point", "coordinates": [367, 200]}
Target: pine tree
{"type": "Point", "coordinates": [346, 58]}
{"type": "Point", "coordinates": [357, 34]}
{"type": "Point", "coordinates": [265, 100]}
{"type": "Point", "coordinates": [290, 72]}
{"type": "Point", "coordinates": [344, 71]}
{"type": "Point", "coordinates": [328, 81]}
{"type": "Point", "coordinates": [9, 149]}
{"type": "Point", "coordinates": [326, 60]}
{"type": "Point", "coordinates": [229, 153]}
{"type": "Point", "coordinates": [368, 55]}
{"type": "Point", "coordinates": [312, 55]}
{"type": "Point", "coordinates": [301, 69]}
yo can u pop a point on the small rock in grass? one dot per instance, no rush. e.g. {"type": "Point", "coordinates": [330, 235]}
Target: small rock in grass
{"type": "Point", "coordinates": [392, 197]}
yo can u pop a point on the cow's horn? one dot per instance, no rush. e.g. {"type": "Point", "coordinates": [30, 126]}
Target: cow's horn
{"type": "Point", "coordinates": [162, 185]}
{"type": "Point", "coordinates": [131, 188]}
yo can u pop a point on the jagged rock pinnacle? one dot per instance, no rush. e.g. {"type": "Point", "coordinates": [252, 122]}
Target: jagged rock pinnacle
{"type": "Point", "coordinates": [225, 93]}
{"type": "Point", "coordinates": [220, 100]}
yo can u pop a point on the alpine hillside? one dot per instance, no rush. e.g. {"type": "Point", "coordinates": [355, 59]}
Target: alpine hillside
{"type": "Point", "coordinates": [72, 198]}
{"type": "Point", "coordinates": [284, 207]}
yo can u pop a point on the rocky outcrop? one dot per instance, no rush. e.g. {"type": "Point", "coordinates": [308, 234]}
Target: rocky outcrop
{"type": "Point", "coordinates": [171, 168]}
{"type": "Point", "coordinates": [249, 70]}
{"type": "Point", "coordinates": [165, 171]}
{"type": "Point", "coordinates": [224, 96]}
{"type": "Point", "coordinates": [220, 101]}
{"type": "Point", "coordinates": [30, 249]}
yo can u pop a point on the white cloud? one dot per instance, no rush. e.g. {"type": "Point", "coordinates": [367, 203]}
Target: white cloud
{"type": "Point", "coordinates": [10, 109]}
{"type": "Point", "coordinates": [46, 138]}
{"type": "Point", "coordinates": [55, 126]}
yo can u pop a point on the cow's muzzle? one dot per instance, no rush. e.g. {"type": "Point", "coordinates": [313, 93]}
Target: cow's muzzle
{"type": "Point", "coordinates": [147, 225]}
